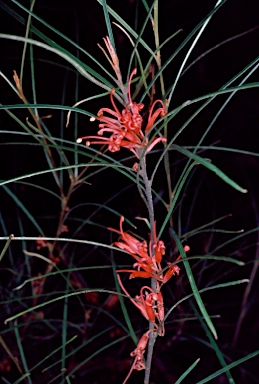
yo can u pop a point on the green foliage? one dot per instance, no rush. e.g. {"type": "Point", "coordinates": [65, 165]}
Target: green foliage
{"type": "Point", "coordinates": [66, 313]}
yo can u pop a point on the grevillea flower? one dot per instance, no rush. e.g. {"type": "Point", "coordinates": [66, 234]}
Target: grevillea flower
{"type": "Point", "coordinates": [150, 301]}
{"type": "Point", "coordinates": [148, 259]}
{"type": "Point", "coordinates": [125, 127]}
{"type": "Point", "coordinates": [138, 250]}
{"type": "Point", "coordinates": [138, 353]}
{"type": "Point", "coordinates": [144, 302]}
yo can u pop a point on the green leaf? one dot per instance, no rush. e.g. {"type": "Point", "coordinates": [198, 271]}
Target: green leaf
{"type": "Point", "coordinates": [123, 306]}
{"type": "Point", "coordinates": [128, 28]}
{"type": "Point", "coordinates": [108, 23]}
{"type": "Point", "coordinates": [6, 246]}
{"type": "Point", "coordinates": [180, 47]}
{"type": "Point", "coordinates": [195, 290]}
{"type": "Point", "coordinates": [178, 189]}
{"type": "Point", "coordinates": [229, 366]}
{"type": "Point", "coordinates": [50, 41]}
{"type": "Point", "coordinates": [76, 63]}
{"type": "Point", "coordinates": [60, 298]}
{"type": "Point", "coordinates": [222, 285]}
{"type": "Point", "coordinates": [183, 376]}
{"type": "Point", "coordinates": [210, 166]}
{"type": "Point", "coordinates": [214, 345]}
{"type": "Point", "coordinates": [23, 208]}
{"type": "Point", "coordinates": [21, 352]}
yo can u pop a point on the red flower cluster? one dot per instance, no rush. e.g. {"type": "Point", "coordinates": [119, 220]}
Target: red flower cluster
{"type": "Point", "coordinates": [148, 259]}
{"type": "Point", "coordinates": [148, 265]}
{"type": "Point", "coordinates": [126, 127]}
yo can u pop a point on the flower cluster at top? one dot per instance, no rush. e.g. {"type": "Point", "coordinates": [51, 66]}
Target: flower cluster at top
{"type": "Point", "coordinates": [125, 127]}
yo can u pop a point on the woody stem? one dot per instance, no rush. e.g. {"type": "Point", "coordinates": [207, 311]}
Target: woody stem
{"type": "Point", "coordinates": [148, 193]}
{"type": "Point", "coordinates": [151, 343]}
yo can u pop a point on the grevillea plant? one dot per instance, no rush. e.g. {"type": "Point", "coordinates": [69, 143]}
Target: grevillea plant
{"type": "Point", "coordinates": [125, 130]}
{"type": "Point", "coordinates": [113, 257]}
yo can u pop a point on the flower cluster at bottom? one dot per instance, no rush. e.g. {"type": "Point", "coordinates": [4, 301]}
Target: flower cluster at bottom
{"type": "Point", "coordinates": [149, 302]}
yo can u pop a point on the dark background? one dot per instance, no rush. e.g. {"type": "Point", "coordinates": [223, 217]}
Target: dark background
{"type": "Point", "coordinates": [206, 197]}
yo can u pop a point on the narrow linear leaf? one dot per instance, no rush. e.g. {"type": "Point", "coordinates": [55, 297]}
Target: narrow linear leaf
{"type": "Point", "coordinates": [52, 43]}
{"type": "Point", "coordinates": [179, 48]}
{"type": "Point", "coordinates": [226, 149]}
{"type": "Point", "coordinates": [214, 345]}
{"type": "Point", "coordinates": [46, 106]}
{"type": "Point", "coordinates": [183, 376]}
{"type": "Point", "coordinates": [23, 208]}
{"type": "Point", "coordinates": [235, 239]}
{"type": "Point", "coordinates": [6, 381]}
{"type": "Point", "coordinates": [128, 28]}
{"type": "Point", "coordinates": [10, 354]}
{"type": "Point", "coordinates": [21, 378]}
{"type": "Point", "coordinates": [108, 23]}
{"type": "Point", "coordinates": [2, 183]}
{"type": "Point", "coordinates": [62, 53]}
{"type": "Point", "coordinates": [60, 298]}
{"type": "Point", "coordinates": [81, 347]}
{"type": "Point", "coordinates": [210, 166]}
{"type": "Point", "coordinates": [205, 53]}
{"type": "Point", "coordinates": [123, 306]}
{"type": "Point", "coordinates": [195, 290]}
{"type": "Point", "coordinates": [222, 285]}
{"type": "Point", "coordinates": [219, 258]}
{"type": "Point", "coordinates": [178, 189]}
{"type": "Point", "coordinates": [21, 351]}
{"type": "Point", "coordinates": [229, 366]}
{"type": "Point", "coordinates": [95, 353]}
{"type": "Point", "coordinates": [6, 246]}
{"type": "Point", "coordinates": [189, 52]}
{"type": "Point", "coordinates": [49, 355]}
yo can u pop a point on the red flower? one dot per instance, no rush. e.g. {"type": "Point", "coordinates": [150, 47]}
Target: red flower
{"type": "Point", "coordinates": [159, 247]}
{"type": "Point", "coordinates": [150, 304]}
{"type": "Point", "coordinates": [139, 251]}
{"type": "Point", "coordinates": [138, 353]}
{"type": "Point", "coordinates": [148, 261]}
{"type": "Point", "coordinates": [144, 302]}
{"type": "Point", "coordinates": [125, 127]}
{"type": "Point", "coordinates": [173, 268]}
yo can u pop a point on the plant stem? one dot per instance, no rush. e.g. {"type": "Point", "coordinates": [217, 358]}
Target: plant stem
{"type": "Point", "coordinates": [148, 193]}
{"type": "Point", "coordinates": [151, 343]}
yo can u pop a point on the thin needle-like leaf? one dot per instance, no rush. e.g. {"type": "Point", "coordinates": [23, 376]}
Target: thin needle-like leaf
{"type": "Point", "coordinates": [210, 166]}
{"type": "Point", "coordinates": [183, 376]}
{"type": "Point", "coordinates": [214, 345]}
{"type": "Point", "coordinates": [193, 285]}
{"type": "Point", "coordinates": [60, 298]}
{"type": "Point", "coordinates": [108, 23]}
{"type": "Point", "coordinates": [6, 246]}
{"type": "Point", "coordinates": [23, 208]}
{"type": "Point", "coordinates": [228, 367]}
{"type": "Point", "coordinates": [62, 53]}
